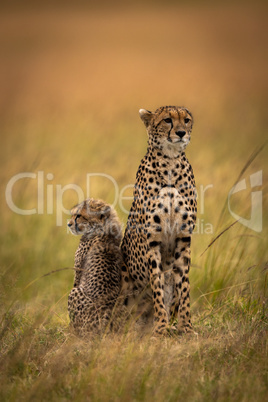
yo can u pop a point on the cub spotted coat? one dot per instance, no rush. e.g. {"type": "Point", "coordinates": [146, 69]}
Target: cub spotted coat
{"type": "Point", "coordinates": [98, 263]}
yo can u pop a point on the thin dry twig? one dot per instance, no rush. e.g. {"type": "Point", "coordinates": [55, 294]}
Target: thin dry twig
{"type": "Point", "coordinates": [30, 284]}
{"type": "Point", "coordinates": [219, 235]}
{"type": "Point", "coordinates": [245, 167]}
{"type": "Point", "coordinates": [250, 160]}
{"type": "Point", "coordinates": [222, 289]}
{"type": "Point", "coordinates": [47, 274]}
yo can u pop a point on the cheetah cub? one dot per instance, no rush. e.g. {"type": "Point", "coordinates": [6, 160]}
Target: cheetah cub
{"type": "Point", "coordinates": [156, 243]}
{"type": "Point", "coordinates": [98, 263]}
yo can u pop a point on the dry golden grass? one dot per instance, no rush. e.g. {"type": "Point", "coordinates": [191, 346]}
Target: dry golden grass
{"type": "Point", "coordinates": [72, 80]}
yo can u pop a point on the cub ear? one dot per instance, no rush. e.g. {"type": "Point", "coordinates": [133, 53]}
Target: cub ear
{"type": "Point", "coordinates": [105, 212]}
{"type": "Point", "coordinates": [146, 116]}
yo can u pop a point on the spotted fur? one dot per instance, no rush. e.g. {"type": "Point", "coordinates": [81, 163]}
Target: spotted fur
{"type": "Point", "coordinates": [156, 243]}
{"type": "Point", "coordinates": [98, 263]}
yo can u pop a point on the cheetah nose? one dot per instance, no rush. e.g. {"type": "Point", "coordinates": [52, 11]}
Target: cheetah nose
{"type": "Point", "coordinates": [181, 133]}
{"type": "Point", "coordinates": [69, 224]}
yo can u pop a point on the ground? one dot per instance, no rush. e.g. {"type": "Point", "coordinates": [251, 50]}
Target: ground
{"type": "Point", "coordinates": [72, 83]}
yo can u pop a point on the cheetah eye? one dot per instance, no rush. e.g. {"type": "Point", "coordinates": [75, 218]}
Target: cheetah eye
{"type": "Point", "coordinates": [78, 216]}
{"type": "Point", "coordinates": [168, 120]}
{"type": "Point", "coordinates": [186, 120]}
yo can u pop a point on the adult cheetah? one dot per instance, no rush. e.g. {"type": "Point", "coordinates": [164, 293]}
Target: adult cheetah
{"type": "Point", "coordinates": [98, 262]}
{"type": "Point", "coordinates": [156, 243]}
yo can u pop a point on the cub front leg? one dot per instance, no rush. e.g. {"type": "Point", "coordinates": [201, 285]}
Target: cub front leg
{"type": "Point", "coordinates": [181, 300]}
{"type": "Point", "coordinates": [157, 286]}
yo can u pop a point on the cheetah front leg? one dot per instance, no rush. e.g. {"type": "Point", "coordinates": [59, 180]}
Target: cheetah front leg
{"type": "Point", "coordinates": [180, 308]}
{"type": "Point", "coordinates": [157, 285]}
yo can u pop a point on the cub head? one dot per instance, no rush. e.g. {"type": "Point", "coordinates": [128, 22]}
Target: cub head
{"type": "Point", "coordinates": [94, 217]}
{"type": "Point", "coordinates": [169, 128]}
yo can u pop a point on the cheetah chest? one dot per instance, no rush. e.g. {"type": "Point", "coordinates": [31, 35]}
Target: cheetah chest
{"type": "Point", "coordinates": [168, 216]}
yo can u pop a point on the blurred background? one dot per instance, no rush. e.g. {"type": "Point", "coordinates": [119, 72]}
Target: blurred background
{"type": "Point", "coordinates": [72, 80]}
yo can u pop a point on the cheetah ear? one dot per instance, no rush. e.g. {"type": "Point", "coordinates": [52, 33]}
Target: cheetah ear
{"type": "Point", "coordinates": [146, 116]}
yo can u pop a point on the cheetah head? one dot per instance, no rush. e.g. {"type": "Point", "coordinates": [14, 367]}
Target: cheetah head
{"type": "Point", "coordinates": [94, 217]}
{"type": "Point", "coordinates": [169, 128]}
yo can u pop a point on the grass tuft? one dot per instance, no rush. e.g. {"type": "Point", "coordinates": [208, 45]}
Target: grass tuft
{"type": "Point", "coordinates": [72, 82]}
